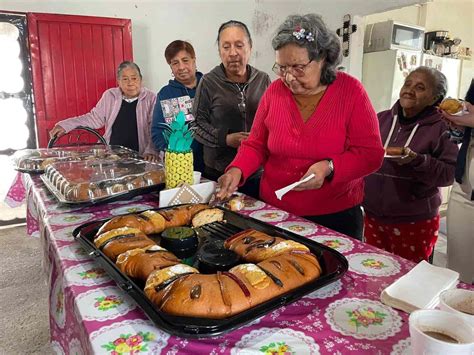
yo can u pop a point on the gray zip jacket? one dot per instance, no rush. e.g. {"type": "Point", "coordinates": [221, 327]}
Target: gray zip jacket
{"type": "Point", "coordinates": [219, 110]}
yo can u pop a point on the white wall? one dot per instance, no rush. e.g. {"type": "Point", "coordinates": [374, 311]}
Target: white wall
{"type": "Point", "coordinates": [157, 23]}
{"type": "Point", "coordinates": [410, 15]}
{"type": "Point", "coordinates": [455, 16]}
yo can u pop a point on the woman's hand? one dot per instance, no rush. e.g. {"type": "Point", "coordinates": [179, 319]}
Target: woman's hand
{"type": "Point", "coordinates": [151, 157]}
{"type": "Point", "coordinates": [320, 171]}
{"type": "Point", "coordinates": [409, 156]}
{"type": "Point", "coordinates": [466, 120]}
{"type": "Point", "coordinates": [227, 183]}
{"type": "Point", "coordinates": [234, 139]}
{"type": "Point", "coordinates": [57, 131]}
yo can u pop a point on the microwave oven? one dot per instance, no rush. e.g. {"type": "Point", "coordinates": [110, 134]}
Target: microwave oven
{"type": "Point", "coordinates": [390, 34]}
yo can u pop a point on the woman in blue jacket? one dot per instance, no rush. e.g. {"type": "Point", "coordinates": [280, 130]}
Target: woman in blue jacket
{"type": "Point", "coordinates": [178, 95]}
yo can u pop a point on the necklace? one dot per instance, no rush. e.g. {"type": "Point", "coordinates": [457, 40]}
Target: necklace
{"type": "Point", "coordinates": [242, 105]}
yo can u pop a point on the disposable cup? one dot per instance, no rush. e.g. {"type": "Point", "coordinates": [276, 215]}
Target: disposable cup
{"type": "Point", "coordinates": [459, 302]}
{"type": "Point", "coordinates": [196, 177]}
{"type": "Point", "coordinates": [428, 327]}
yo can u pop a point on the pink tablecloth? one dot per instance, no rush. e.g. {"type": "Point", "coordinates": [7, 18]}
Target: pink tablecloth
{"type": "Point", "coordinates": [90, 314]}
{"type": "Point", "coordinates": [16, 194]}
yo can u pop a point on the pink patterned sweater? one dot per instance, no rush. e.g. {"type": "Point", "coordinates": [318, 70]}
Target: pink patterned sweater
{"type": "Point", "coordinates": [106, 111]}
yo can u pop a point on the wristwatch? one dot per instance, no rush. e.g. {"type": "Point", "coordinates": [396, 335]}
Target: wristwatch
{"type": "Point", "coordinates": [331, 169]}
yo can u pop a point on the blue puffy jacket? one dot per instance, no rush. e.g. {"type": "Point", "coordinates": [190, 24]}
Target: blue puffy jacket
{"type": "Point", "coordinates": [171, 99]}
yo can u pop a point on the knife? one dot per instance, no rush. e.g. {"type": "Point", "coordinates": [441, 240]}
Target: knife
{"type": "Point", "coordinates": [214, 201]}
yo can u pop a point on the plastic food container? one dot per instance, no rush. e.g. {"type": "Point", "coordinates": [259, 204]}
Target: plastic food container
{"type": "Point", "coordinates": [93, 181]}
{"type": "Point", "coordinates": [213, 257]}
{"type": "Point", "coordinates": [37, 160]}
{"type": "Point", "coordinates": [181, 241]}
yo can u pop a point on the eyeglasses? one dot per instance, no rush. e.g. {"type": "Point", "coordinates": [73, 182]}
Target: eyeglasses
{"type": "Point", "coordinates": [297, 70]}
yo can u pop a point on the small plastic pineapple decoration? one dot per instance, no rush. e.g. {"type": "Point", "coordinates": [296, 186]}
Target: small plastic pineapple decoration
{"type": "Point", "coordinates": [179, 155]}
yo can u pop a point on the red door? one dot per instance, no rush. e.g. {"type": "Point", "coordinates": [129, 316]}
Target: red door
{"type": "Point", "coordinates": [74, 60]}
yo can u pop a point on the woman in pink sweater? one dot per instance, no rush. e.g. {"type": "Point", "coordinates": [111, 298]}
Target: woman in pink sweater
{"type": "Point", "coordinates": [314, 120]}
{"type": "Point", "coordinates": [125, 111]}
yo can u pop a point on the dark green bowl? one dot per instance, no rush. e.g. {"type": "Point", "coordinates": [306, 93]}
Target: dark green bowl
{"type": "Point", "coordinates": [181, 241]}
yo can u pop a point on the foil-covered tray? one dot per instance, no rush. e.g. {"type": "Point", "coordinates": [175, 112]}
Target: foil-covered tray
{"type": "Point", "coordinates": [98, 181]}
{"type": "Point", "coordinates": [36, 161]}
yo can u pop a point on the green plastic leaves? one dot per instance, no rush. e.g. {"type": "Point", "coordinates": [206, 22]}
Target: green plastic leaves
{"type": "Point", "coordinates": [178, 135]}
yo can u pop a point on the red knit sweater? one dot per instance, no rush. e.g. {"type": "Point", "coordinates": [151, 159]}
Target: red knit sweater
{"type": "Point", "coordinates": [343, 127]}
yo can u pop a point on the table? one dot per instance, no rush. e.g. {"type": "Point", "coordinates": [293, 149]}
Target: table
{"type": "Point", "coordinates": [89, 313]}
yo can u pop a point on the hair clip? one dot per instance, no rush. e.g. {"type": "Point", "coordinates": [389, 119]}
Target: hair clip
{"type": "Point", "coordinates": [299, 33]}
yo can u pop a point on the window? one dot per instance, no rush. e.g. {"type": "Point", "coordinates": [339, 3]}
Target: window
{"type": "Point", "coordinates": [16, 108]}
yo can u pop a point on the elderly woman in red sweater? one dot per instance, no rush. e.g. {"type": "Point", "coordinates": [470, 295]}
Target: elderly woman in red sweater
{"type": "Point", "coordinates": [314, 120]}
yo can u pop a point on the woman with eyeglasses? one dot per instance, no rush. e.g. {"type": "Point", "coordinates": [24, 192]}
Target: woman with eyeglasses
{"type": "Point", "coordinates": [226, 102]}
{"type": "Point", "coordinates": [178, 95]}
{"type": "Point", "coordinates": [314, 120]}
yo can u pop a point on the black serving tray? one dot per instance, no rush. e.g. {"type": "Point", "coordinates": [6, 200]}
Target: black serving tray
{"type": "Point", "coordinates": [333, 264]}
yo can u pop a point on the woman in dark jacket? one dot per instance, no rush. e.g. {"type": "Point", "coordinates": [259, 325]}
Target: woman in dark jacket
{"type": "Point", "coordinates": [226, 101]}
{"type": "Point", "coordinates": [402, 198]}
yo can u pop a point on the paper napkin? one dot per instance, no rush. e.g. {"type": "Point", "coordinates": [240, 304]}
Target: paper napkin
{"type": "Point", "coordinates": [279, 193]}
{"type": "Point", "coordinates": [419, 288]}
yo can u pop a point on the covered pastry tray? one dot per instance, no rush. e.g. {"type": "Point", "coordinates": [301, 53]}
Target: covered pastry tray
{"type": "Point", "coordinates": [36, 160]}
{"type": "Point", "coordinates": [97, 181]}
{"type": "Point", "coordinates": [333, 264]}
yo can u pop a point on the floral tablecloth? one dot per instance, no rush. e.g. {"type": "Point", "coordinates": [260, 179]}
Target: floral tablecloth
{"type": "Point", "coordinates": [16, 194]}
{"type": "Point", "coordinates": [89, 313]}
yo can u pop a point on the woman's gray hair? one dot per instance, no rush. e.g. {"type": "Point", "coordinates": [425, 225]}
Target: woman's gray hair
{"type": "Point", "coordinates": [438, 79]}
{"type": "Point", "coordinates": [127, 64]}
{"type": "Point", "coordinates": [325, 44]}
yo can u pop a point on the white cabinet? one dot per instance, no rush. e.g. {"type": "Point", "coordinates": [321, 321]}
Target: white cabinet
{"type": "Point", "coordinates": [383, 74]}
{"type": "Point", "coordinates": [450, 67]}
